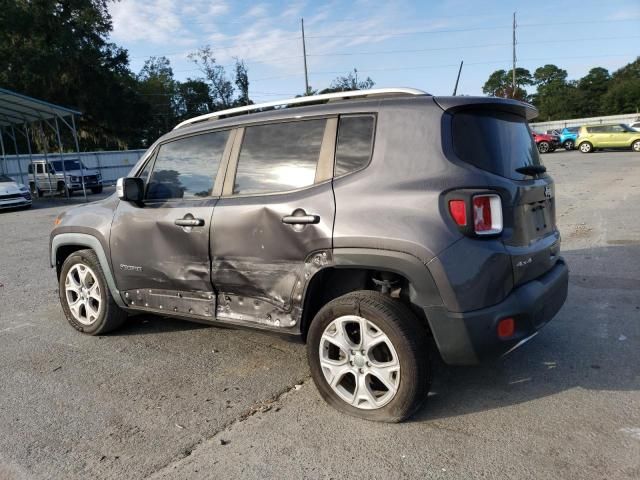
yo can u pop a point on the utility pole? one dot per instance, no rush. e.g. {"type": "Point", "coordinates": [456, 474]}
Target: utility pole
{"type": "Point", "coordinates": [455, 89]}
{"type": "Point", "coordinates": [304, 54]}
{"type": "Point", "coordinates": [513, 71]}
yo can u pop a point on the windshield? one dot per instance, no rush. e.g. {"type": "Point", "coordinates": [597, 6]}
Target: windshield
{"type": "Point", "coordinates": [498, 142]}
{"type": "Point", "coordinates": [68, 165]}
{"type": "Point", "coordinates": [4, 178]}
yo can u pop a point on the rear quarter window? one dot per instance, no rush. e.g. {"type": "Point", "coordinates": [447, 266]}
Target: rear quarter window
{"type": "Point", "coordinates": [498, 142]}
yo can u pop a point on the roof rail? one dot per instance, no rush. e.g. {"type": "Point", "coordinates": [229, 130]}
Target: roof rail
{"type": "Point", "coordinates": [301, 101]}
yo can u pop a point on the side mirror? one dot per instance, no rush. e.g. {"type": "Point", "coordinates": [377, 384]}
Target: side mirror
{"type": "Point", "coordinates": [130, 189]}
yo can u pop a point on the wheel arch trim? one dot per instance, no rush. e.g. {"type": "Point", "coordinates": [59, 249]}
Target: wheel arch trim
{"type": "Point", "coordinates": [89, 241]}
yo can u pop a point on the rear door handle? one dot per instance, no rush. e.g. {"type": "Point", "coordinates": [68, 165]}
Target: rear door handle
{"type": "Point", "coordinates": [189, 222]}
{"type": "Point", "coordinates": [300, 219]}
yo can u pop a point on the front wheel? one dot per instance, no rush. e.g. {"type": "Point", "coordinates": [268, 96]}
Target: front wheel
{"type": "Point", "coordinates": [543, 147]}
{"type": "Point", "coordinates": [368, 355]}
{"type": "Point", "coordinates": [85, 296]}
{"type": "Point", "coordinates": [635, 146]}
{"type": "Point", "coordinates": [568, 145]}
{"type": "Point", "coordinates": [96, 189]}
{"type": "Point", "coordinates": [585, 147]}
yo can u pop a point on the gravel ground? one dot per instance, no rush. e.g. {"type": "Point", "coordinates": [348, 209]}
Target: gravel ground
{"type": "Point", "coordinates": [170, 399]}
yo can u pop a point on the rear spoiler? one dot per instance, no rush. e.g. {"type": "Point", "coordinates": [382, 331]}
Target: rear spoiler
{"type": "Point", "coordinates": [452, 104]}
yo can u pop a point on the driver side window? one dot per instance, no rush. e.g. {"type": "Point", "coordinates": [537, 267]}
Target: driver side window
{"type": "Point", "coordinates": [186, 168]}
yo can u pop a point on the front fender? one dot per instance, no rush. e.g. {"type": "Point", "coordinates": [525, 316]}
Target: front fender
{"type": "Point", "coordinates": [88, 241]}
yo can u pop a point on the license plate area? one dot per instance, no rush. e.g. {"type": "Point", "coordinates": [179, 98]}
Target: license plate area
{"type": "Point", "coordinates": [540, 218]}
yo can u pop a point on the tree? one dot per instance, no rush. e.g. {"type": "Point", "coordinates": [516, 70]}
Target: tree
{"type": "Point", "coordinates": [59, 51]}
{"type": "Point", "coordinates": [500, 84]}
{"type": "Point", "coordinates": [193, 99]}
{"type": "Point", "coordinates": [591, 87]}
{"type": "Point", "coordinates": [623, 93]}
{"type": "Point", "coordinates": [242, 82]}
{"type": "Point", "coordinates": [157, 85]}
{"type": "Point", "coordinates": [555, 97]}
{"type": "Point", "coordinates": [348, 83]}
{"type": "Point", "coordinates": [221, 88]}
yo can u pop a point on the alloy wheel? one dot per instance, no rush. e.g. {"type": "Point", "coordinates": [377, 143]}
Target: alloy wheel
{"type": "Point", "coordinates": [359, 362]}
{"type": "Point", "coordinates": [83, 294]}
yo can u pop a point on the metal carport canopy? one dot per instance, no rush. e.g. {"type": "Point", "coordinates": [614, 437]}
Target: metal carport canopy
{"type": "Point", "coordinates": [16, 109]}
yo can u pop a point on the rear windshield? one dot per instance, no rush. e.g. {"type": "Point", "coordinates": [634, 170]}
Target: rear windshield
{"type": "Point", "coordinates": [498, 142]}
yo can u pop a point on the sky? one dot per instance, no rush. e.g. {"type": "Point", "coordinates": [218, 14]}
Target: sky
{"type": "Point", "coordinates": [408, 43]}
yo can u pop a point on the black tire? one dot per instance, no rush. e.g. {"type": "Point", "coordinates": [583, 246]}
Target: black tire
{"type": "Point", "coordinates": [568, 145]}
{"type": "Point", "coordinates": [96, 190]}
{"type": "Point", "coordinates": [544, 147]}
{"type": "Point", "coordinates": [635, 146]}
{"type": "Point", "coordinates": [111, 316]}
{"type": "Point", "coordinates": [409, 337]}
{"type": "Point", "coordinates": [586, 147]}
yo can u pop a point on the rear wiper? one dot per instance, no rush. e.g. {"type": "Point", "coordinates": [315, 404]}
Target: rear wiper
{"type": "Point", "coordinates": [532, 170]}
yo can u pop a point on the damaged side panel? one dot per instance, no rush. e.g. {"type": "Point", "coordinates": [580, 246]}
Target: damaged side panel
{"type": "Point", "coordinates": [260, 265]}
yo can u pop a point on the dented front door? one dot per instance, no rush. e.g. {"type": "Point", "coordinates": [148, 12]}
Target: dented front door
{"type": "Point", "coordinates": [160, 248]}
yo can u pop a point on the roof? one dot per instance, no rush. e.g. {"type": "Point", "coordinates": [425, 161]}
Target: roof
{"type": "Point", "coordinates": [16, 109]}
{"type": "Point", "coordinates": [304, 100]}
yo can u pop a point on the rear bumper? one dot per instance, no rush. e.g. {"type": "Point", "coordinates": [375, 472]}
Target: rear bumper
{"type": "Point", "coordinates": [471, 337]}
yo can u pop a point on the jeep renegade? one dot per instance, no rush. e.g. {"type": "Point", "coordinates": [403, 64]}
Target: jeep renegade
{"type": "Point", "coordinates": [381, 227]}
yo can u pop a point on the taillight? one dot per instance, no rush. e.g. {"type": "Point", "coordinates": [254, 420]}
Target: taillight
{"type": "Point", "coordinates": [487, 214]}
{"type": "Point", "coordinates": [458, 211]}
{"type": "Point", "coordinates": [476, 213]}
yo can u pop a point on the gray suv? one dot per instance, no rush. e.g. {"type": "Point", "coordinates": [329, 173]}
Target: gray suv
{"type": "Point", "coordinates": [382, 227]}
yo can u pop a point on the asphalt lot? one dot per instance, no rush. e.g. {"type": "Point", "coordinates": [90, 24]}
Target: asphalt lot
{"type": "Point", "coordinates": [170, 399]}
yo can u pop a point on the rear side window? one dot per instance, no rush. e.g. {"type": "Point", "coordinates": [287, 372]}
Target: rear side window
{"type": "Point", "coordinates": [498, 142]}
{"type": "Point", "coordinates": [186, 168]}
{"type": "Point", "coordinates": [278, 157]}
{"type": "Point", "coordinates": [354, 144]}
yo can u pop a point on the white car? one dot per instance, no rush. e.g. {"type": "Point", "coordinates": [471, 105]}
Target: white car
{"type": "Point", "coordinates": [13, 194]}
{"type": "Point", "coordinates": [635, 125]}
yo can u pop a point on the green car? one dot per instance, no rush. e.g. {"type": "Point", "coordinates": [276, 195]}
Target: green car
{"type": "Point", "coordinates": [607, 136]}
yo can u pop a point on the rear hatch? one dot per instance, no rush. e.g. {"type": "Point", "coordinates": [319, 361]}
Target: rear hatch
{"type": "Point", "coordinates": [493, 135]}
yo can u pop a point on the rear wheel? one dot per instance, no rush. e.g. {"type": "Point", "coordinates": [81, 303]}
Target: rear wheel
{"type": "Point", "coordinates": [635, 146]}
{"type": "Point", "coordinates": [568, 145]}
{"type": "Point", "coordinates": [585, 147]}
{"type": "Point", "coordinates": [368, 355]}
{"type": "Point", "coordinates": [85, 296]}
{"type": "Point", "coordinates": [543, 147]}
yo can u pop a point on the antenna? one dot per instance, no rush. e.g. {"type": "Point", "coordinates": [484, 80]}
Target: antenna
{"type": "Point", "coordinates": [455, 89]}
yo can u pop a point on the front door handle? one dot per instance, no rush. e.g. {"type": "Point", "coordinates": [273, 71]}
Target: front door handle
{"type": "Point", "coordinates": [189, 222]}
{"type": "Point", "coordinates": [301, 219]}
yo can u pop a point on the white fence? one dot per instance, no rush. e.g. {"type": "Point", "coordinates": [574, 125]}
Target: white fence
{"type": "Point", "coordinates": [112, 165]}
{"type": "Point", "coordinates": [576, 122]}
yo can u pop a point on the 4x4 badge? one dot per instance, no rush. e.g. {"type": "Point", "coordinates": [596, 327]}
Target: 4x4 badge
{"type": "Point", "coordinates": [547, 191]}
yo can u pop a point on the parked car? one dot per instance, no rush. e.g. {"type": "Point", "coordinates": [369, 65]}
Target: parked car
{"type": "Point", "coordinates": [568, 137]}
{"type": "Point", "coordinates": [593, 137]}
{"type": "Point", "coordinates": [635, 126]}
{"type": "Point", "coordinates": [546, 143]}
{"type": "Point", "coordinates": [50, 177]}
{"type": "Point", "coordinates": [13, 194]}
{"type": "Point", "coordinates": [438, 238]}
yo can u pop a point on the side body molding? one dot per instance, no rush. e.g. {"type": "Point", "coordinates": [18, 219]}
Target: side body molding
{"type": "Point", "coordinates": [93, 243]}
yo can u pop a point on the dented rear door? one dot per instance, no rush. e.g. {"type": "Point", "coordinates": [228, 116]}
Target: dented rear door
{"type": "Point", "coordinates": [274, 221]}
